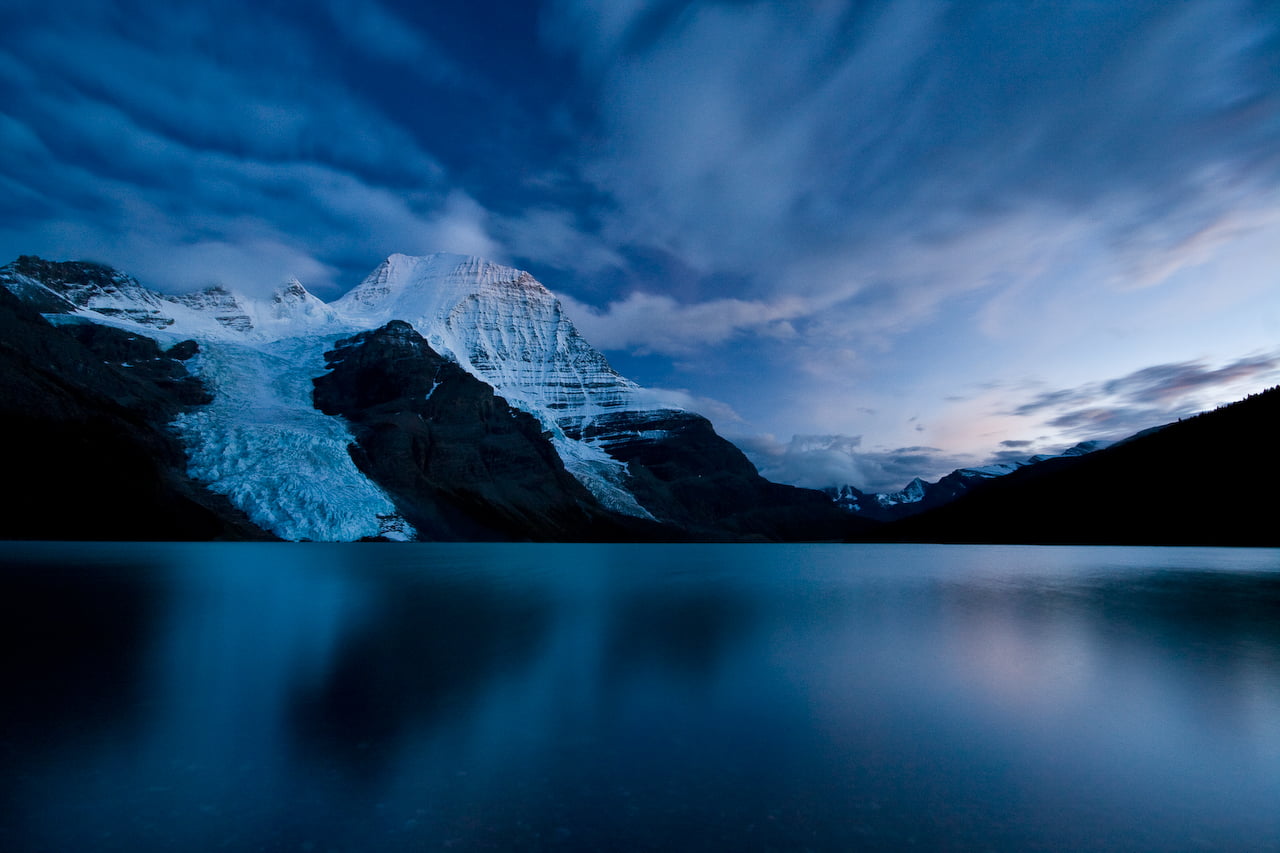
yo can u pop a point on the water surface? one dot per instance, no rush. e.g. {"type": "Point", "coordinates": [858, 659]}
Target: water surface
{"type": "Point", "coordinates": [713, 697]}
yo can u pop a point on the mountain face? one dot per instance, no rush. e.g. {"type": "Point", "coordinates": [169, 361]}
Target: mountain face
{"type": "Point", "coordinates": [443, 397]}
{"type": "Point", "coordinates": [918, 496]}
{"type": "Point", "coordinates": [83, 414]}
{"type": "Point", "coordinates": [1207, 480]}
{"type": "Point", "coordinates": [456, 459]}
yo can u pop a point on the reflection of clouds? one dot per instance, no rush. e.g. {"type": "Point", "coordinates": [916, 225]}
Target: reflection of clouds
{"type": "Point", "coordinates": [193, 650]}
{"type": "Point", "coordinates": [1177, 670]}
{"type": "Point", "coordinates": [1162, 652]}
{"type": "Point", "coordinates": [1035, 662]}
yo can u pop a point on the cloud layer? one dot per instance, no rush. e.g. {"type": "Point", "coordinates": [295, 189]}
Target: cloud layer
{"type": "Point", "coordinates": [927, 149]}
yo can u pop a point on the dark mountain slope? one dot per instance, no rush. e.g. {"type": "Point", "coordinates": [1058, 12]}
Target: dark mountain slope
{"type": "Point", "coordinates": [457, 460]}
{"type": "Point", "coordinates": [87, 453]}
{"type": "Point", "coordinates": [686, 474]}
{"type": "Point", "coordinates": [1208, 480]}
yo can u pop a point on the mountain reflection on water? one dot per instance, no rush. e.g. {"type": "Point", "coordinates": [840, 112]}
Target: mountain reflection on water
{"type": "Point", "coordinates": [581, 697]}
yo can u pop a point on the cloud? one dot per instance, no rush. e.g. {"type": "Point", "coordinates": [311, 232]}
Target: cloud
{"type": "Point", "coordinates": [821, 461]}
{"type": "Point", "coordinates": [884, 160]}
{"type": "Point", "coordinates": [142, 147]}
{"type": "Point", "coordinates": [650, 323]}
{"type": "Point", "coordinates": [1147, 397]}
{"type": "Point", "coordinates": [1168, 383]}
{"type": "Point", "coordinates": [248, 98]}
{"type": "Point", "coordinates": [1109, 421]}
{"type": "Point", "coordinates": [216, 217]}
{"type": "Point", "coordinates": [460, 227]}
{"type": "Point", "coordinates": [553, 237]}
{"type": "Point", "coordinates": [718, 412]}
{"type": "Point", "coordinates": [139, 147]}
{"type": "Point", "coordinates": [382, 34]}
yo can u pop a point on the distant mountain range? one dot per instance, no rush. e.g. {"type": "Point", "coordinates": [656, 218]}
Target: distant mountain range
{"type": "Point", "coordinates": [919, 496]}
{"type": "Point", "coordinates": [444, 397]}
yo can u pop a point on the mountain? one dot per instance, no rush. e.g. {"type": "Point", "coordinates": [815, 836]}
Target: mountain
{"type": "Point", "coordinates": [919, 496]}
{"type": "Point", "coordinates": [83, 414]}
{"type": "Point", "coordinates": [443, 397]}
{"type": "Point", "coordinates": [456, 459]}
{"type": "Point", "coordinates": [1207, 480]}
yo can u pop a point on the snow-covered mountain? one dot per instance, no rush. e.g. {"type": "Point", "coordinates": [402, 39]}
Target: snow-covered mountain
{"type": "Point", "coordinates": [295, 471]}
{"type": "Point", "coordinates": [505, 328]}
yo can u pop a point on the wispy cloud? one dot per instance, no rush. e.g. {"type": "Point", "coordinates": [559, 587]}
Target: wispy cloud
{"type": "Point", "coordinates": [382, 34]}
{"type": "Point", "coordinates": [1168, 383]}
{"type": "Point", "coordinates": [1153, 395]}
{"type": "Point", "coordinates": [655, 323]}
{"type": "Point", "coordinates": [851, 151]}
{"type": "Point", "coordinates": [142, 147]}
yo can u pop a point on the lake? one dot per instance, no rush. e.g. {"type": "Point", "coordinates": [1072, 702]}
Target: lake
{"type": "Point", "coordinates": [298, 697]}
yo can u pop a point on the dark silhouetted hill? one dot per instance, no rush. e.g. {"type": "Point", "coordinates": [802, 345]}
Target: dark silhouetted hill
{"type": "Point", "coordinates": [1207, 480]}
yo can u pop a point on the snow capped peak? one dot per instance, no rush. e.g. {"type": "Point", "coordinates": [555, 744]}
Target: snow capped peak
{"type": "Point", "coordinates": [292, 296]}
{"type": "Point", "coordinates": [497, 322]}
{"type": "Point", "coordinates": [987, 472]}
{"type": "Point", "coordinates": [421, 289]}
{"type": "Point", "coordinates": [503, 327]}
{"type": "Point", "coordinates": [291, 288]}
{"type": "Point", "coordinates": [292, 310]}
{"type": "Point", "coordinates": [913, 492]}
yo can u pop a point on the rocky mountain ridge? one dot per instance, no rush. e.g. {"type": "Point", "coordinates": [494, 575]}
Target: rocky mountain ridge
{"type": "Point", "coordinates": [289, 439]}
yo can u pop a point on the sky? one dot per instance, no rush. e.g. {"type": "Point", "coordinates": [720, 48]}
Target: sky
{"type": "Point", "coordinates": [869, 240]}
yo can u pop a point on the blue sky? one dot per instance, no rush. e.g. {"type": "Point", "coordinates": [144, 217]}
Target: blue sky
{"type": "Point", "coordinates": [871, 240]}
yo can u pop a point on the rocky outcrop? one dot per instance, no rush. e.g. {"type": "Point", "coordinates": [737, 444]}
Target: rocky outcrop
{"type": "Point", "coordinates": [62, 287]}
{"type": "Point", "coordinates": [164, 370]}
{"type": "Point", "coordinates": [687, 475]}
{"type": "Point", "coordinates": [219, 303]}
{"type": "Point", "coordinates": [456, 459]}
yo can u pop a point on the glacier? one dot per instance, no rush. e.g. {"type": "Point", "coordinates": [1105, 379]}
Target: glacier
{"type": "Point", "coordinates": [262, 443]}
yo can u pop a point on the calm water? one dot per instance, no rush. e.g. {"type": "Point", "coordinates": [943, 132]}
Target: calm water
{"type": "Point", "coordinates": [540, 697]}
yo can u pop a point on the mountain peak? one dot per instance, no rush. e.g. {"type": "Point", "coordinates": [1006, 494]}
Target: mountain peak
{"type": "Point", "coordinates": [292, 292]}
{"type": "Point", "coordinates": [424, 286]}
{"type": "Point", "coordinates": [448, 264]}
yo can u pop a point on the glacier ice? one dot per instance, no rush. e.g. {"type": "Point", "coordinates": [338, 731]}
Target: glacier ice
{"type": "Point", "coordinates": [263, 445]}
